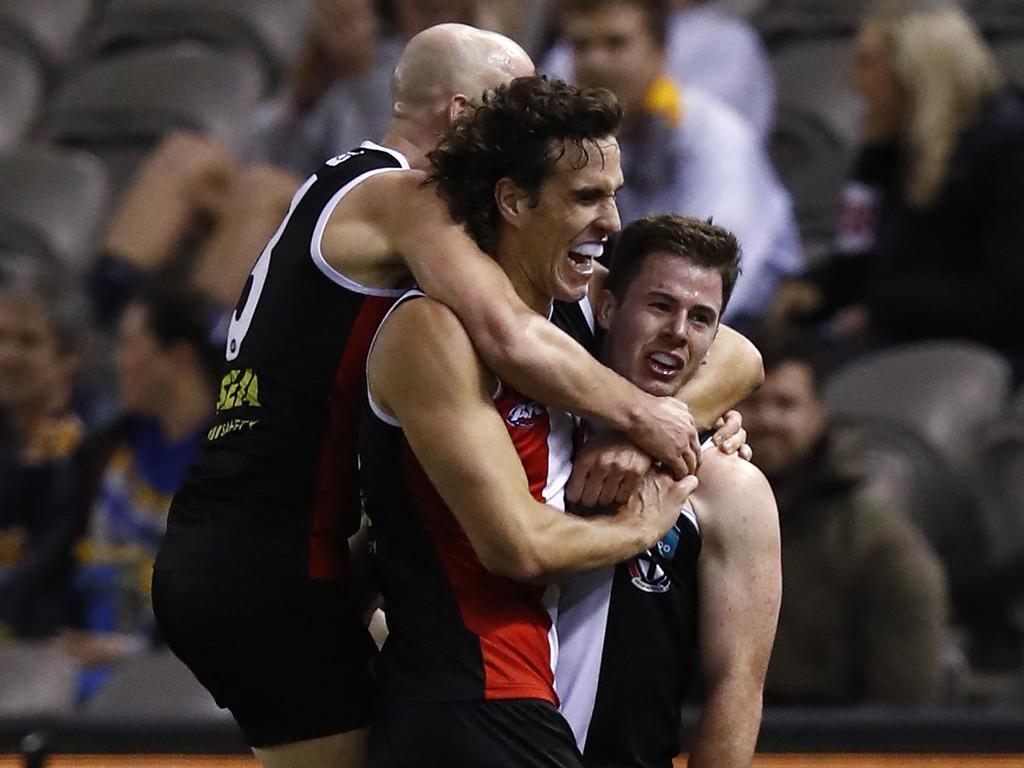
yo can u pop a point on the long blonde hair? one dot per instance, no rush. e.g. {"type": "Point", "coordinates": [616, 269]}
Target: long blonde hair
{"type": "Point", "coordinates": [946, 73]}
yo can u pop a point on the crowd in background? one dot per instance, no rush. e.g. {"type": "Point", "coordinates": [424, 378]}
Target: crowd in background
{"type": "Point", "coordinates": [900, 587]}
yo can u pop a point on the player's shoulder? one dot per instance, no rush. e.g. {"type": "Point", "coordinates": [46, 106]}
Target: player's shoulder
{"type": "Point", "coordinates": [733, 493]}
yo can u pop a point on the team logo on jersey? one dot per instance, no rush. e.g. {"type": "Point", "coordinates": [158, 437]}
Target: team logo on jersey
{"type": "Point", "coordinates": [644, 571]}
{"type": "Point", "coordinates": [525, 414]}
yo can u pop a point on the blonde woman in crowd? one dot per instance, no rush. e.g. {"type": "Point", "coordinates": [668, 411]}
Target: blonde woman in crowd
{"type": "Point", "coordinates": [932, 220]}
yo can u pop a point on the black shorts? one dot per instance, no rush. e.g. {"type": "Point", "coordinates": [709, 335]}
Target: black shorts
{"type": "Point", "coordinates": [286, 655]}
{"type": "Point", "coordinates": [511, 733]}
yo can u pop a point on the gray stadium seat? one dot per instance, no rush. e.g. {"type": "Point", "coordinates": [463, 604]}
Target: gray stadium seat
{"type": "Point", "coordinates": [271, 30]}
{"type": "Point", "coordinates": [781, 20]}
{"type": "Point", "coordinates": [48, 30]}
{"type": "Point", "coordinates": [154, 686]}
{"type": "Point", "coordinates": [52, 202]}
{"type": "Point", "coordinates": [21, 90]}
{"type": "Point", "coordinates": [1000, 479]}
{"type": "Point", "coordinates": [812, 76]}
{"type": "Point", "coordinates": [812, 162]}
{"type": "Point", "coordinates": [1010, 54]}
{"type": "Point", "coordinates": [744, 8]}
{"type": "Point", "coordinates": [945, 391]}
{"type": "Point", "coordinates": [144, 94]}
{"type": "Point", "coordinates": [120, 107]}
{"type": "Point", "coordinates": [36, 680]}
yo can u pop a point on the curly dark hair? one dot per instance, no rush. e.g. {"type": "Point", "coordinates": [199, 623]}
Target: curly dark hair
{"type": "Point", "coordinates": [520, 131]}
{"type": "Point", "coordinates": [704, 243]}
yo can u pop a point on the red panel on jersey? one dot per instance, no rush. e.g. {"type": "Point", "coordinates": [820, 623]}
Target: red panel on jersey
{"type": "Point", "coordinates": [508, 617]}
{"type": "Point", "coordinates": [336, 507]}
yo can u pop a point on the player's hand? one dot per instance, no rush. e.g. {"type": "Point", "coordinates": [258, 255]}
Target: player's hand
{"type": "Point", "coordinates": [607, 469]}
{"type": "Point", "coordinates": [730, 436]}
{"type": "Point", "coordinates": [667, 431]}
{"type": "Point", "coordinates": [657, 503]}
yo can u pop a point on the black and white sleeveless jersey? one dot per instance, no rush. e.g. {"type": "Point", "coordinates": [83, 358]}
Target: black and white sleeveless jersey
{"type": "Point", "coordinates": [276, 482]}
{"type": "Point", "coordinates": [627, 640]}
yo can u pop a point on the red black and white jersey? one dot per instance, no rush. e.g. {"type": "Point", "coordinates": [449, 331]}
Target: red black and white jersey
{"type": "Point", "coordinates": [275, 485]}
{"type": "Point", "coordinates": [456, 630]}
{"type": "Point", "coordinates": [628, 641]}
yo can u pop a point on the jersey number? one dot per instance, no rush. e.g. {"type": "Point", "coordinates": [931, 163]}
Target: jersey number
{"type": "Point", "coordinates": [242, 316]}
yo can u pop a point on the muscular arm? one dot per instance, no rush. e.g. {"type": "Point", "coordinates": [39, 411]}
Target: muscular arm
{"type": "Point", "coordinates": [424, 371]}
{"type": "Point", "coordinates": [733, 370]}
{"type": "Point", "coordinates": [523, 348]}
{"type": "Point", "coordinates": [740, 583]}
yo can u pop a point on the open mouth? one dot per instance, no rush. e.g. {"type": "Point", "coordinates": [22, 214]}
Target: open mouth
{"type": "Point", "coordinates": [665, 365]}
{"type": "Point", "coordinates": [582, 257]}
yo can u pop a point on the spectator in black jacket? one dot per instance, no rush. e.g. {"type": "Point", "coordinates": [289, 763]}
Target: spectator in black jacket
{"type": "Point", "coordinates": [932, 227]}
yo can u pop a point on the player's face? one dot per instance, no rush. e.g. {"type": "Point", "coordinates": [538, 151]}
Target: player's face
{"type": "Point", "coordinates": [784, 419]}
{"type": "Point", "coordinates": [661, 332]}
{"type": "Point", "coordinates": [612, 49]}
{"type": "Point", "coordinates": [30, 361]}
{"type": "Point", "coordinates": [575, 213]}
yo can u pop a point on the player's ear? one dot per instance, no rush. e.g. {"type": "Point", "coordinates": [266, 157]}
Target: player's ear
{"type": "Point", "coordinates": [604, 308]}
{"type": "Point", "coordinates": [510, 200]}
{"type": "Point", "coordinates": [457, 106]}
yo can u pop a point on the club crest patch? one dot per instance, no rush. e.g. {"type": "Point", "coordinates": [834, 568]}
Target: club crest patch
{"type": "Point", "coordinates": [644, 571]}
{"type": "Point", "coordinates": [525, 414]}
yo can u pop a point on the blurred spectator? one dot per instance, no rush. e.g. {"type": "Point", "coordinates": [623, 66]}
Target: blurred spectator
{"type": "Point", "coordinates": [42, 326]}
{"type": "Point", "coordinates": [191, 199]}
{"type": "Point", "coordinates": [339, 92]}
{"type": "Point", "coordinates": [124, 475]}
{"type": "Point", "coordinates": [933, 217]}
{"type": "Point", "coordinates": [709, 49]}
{"type": "Point", "coordinates": [684, 151]}
{"type": "Point", "coordinates": [863, 619]}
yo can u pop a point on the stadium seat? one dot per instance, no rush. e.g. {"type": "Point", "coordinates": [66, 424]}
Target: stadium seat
{"type": "Point", "coordinates": [48, 30]}
{"type": "Point", "coordinates": [812, 162]}
{"type": "Point", "coordinates": [21, 90]}
{"type": "Point", "coordinates": [945, 391]}
{"type": "Point", "coordinates": [744, 8]}
{"type": "Point", "coordinates": [1000, 480]}
{"type": "Point", "coordinates": [150, 92]}
{"type": "Point", "coordinates": [154, 686]}
{"type": "Point", "coordinates": [813, 76]}
{"type": "Point", "coordinates": [271, 30]}
{"type": "Point", "coordinates": [51, 202]}
{"type": "Point", "coordinates": [120, 107]}
{"type": "Point", "coordinates": [782, 20]}
{"type": "Point", "coordinates": [1010, 54]}
{"type": "Point", "coordinates": [35, 680]}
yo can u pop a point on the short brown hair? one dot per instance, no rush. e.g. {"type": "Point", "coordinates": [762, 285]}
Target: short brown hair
{"type": "Point", "coordinates": [518, 132]}
{"type": "Point", "coordinates": [656, 14]}
{"type": "Point", "coordinates": [704, 243]}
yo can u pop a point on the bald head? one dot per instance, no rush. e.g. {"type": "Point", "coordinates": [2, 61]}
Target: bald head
{"type": "Point", "coordinates": [449, 59]}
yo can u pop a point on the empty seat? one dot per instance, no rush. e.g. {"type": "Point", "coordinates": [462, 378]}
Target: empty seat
{"type": "Point", "coordinates": [52, 202]}
{"type": "Point", "coordinates": [36, 680]}
{"type": "Point", "coordinates": [812, 161]}
{"type": "Point", "coordinates": [271, 30]}
{"type": "Point", "coordinates": [49, 30]}
{"type": "Point", "coordinates": [812, 76]}
{"type": "Point", "coordinates": [1010, 54]}
{"type": "Point", "coordinates": [21, 89]}
{"type": "Point", "coordinates": [142, 95]}
{"type": "Point", "coordinates": [154, 686]}
{"type": "Point", "coordinates": [1000, 479]}
{"type": "Point", "coordinates": [781, 20]}
{"type": "Point", "coordinates": [945, 391]}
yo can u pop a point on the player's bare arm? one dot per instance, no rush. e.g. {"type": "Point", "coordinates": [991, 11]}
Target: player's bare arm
{"type": "Point", "coordinates": [363, 240]}
{"type": "Point", "coordinates": [740, 578]}
{"type": "Point", "coordinates": [425, 372]}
